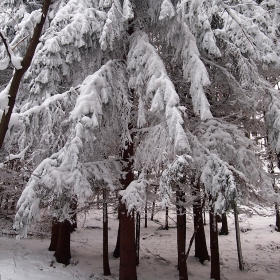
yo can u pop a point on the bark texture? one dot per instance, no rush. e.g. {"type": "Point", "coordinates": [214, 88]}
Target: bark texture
{"type": "Point", "coordinates": [63, 254]}
{"type": "Point", "coordinates": [54, 237]}
{"type": "Point", "coordinates": [214, 245]}
{"type": "Point", "coordinates": [127, 226]}
{"type": "Point", "coordinates": [181, 236]}
{"type": "Point", "coordinates": [201, 251]}
{"type": "Point", "coordinates": [106, 266]}
{"type": "Point", "coordinates": [224, 228]}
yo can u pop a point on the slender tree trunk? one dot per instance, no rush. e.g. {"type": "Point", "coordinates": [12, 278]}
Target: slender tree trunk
{"type": "Point", "coordinates": [153, 210]}
{"type": "Point", "coordinates": [138, 219]}
{"type": "Point", "coordinates": [238, 241]}
{"type": "Point", "coordinates": [63, 254]}
{"type": "Point", "coordinates": [20, 72]}
{"type": "Point", "coordinates": [204, 217]}
{"type": "Point", "coordinates": [224, 228]}
{"type": "Point", "coordinates": [201, 252]}
{"type": "Point", "coordinates": [277, 228]}
{"type": "Point", "coordinates": [73, 207]}
{"type": "Point", "coordinates": [55, 232]}
{"type": "Point", "coordinates": [146, 215]}
{"type": "Point", "coordinates": [153, 206]}
{"type": "Point", "coordinates": [166, 218]}
{"type": "Point", "coordinates": [214, 246]}
{"type": "Point", "coordinates": [106, 267]}
{"type": "Point", "coordinates": [181, 236]}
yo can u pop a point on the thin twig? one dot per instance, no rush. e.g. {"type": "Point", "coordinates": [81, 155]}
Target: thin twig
{"type": "Point", "coordinates": [5, 44]}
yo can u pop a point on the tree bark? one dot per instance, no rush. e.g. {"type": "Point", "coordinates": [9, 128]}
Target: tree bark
{"type": "Point", "coordinates": [214, 246]}
{"type": "Point", "coordinates": [277, 223]}
{"type": "Point", "coordinates": [55, 232]}
{"type": "Point", "coordinates": [224, 228]}
{"type": "Point", "coordinates": [127, 246]}
{"type": "Point", "coordinates": [106, 267]}
{"type": "Point", "coordinates": [146, 215]}
{"type": "Point", "coordinates": [181, 236]}
{"type": "Point", "coordinates": [238, 241]}
{"type": "Point", "coordinates": [201, 252]}
{"type": "Point", "coordinates": [127, 226]}
{"type": "Point", "coordinates": [138, 219]}
{"type": "Point", "coordinates": [166, 218]}
{"type": "Point", "coordinates": [73, 207]}
{"type": "Point", "coordinates": [4, 124]}
{"type": "Point", "coordinates": [63, 254]}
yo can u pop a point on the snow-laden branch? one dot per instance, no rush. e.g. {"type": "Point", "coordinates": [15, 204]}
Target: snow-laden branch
{"type": "Point", "coordinates": [149, 77]}
{"type": "Point", "coordinates": [15, 60]}
{"type": "Point", "coordinates": [134, 196]}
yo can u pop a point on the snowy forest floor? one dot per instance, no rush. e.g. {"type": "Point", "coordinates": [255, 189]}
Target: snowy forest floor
{"type": "Point", "coordinates": [29, 258]}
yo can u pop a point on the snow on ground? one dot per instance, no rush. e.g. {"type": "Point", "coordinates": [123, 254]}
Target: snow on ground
{"type": "Point", "coordinates": [28, 259]}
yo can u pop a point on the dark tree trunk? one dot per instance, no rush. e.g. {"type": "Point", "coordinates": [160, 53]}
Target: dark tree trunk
{"type": "Point", "coordinates": [214, 245]}
{"type": "Point", "coordinates": [138, 219]}
{"type": "Point", "coordinates": [277, 228]}
{"type": "Point", "coordinates": [238, 241]}
{"type": "Point", "coordinates": [116, 252]}
{"type": "Point", "coordinates": [63, 254]}
{"type": "Point", "coordinates": [55, 232]}
{"type": "Point", "coordinates": [204, 217]}
{"type": "Point", "coordinates": [181, 236]}
{"type": "Point", "coordinates": [201, 252]}
{"type": "Point", "coordinates": [127, 246]}
{"type": "Point", "coordinates": [166, 218]}
{"type": "Point", "coordinates": [106, 267]}
{"type": "Point", "coordinates": [153, 206]}
{"type": "Point", "coordinates": [224, 228]}
{"type": "Point", "coordinates": [20, 72]}
{"type": "Point", "coordinates": [146, 215]}
{"type": "Point", "coordinates": [153, 210]}
{"type": "Point", "coordinates": [73, 207]}
{"type": "Point", "coordinates": [127, 226]}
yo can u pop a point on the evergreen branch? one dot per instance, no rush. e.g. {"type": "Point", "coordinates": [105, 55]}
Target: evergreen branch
{"type": "Point", "coordinates": [230, 13]}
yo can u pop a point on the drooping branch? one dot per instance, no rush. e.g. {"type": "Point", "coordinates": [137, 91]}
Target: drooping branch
{"type": "Point", "coordinates": [4, 39]}
{"type": "Point", "coordinates": [14, 86]}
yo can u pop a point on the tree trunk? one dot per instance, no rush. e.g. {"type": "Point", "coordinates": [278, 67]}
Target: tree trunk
{"type": "Point", "coordinates": [224, 228]}
{"type": "Point", "coordinates": [204, 217]}
{"type": "Point", "coordinates": [73, 206]}
{"type": "Point", "coordinates": [181, 236]}
{"type": "Point", "coordinates": [237, 230]}
{"type": "Point", "coordinates": [55, 232]}
{"type": "Point", "coordinates": [20, 72]}
{"type": "Point", "coordinates": [201, 252]}
{"type": "Point", "coordinates": [153, 210]}
{"type": "Point", "coordinates": [166, 218]}
{"type": "Point", "coordinates": [138, 219]}
{"type": "Point", "coordinates": [153, 206]}
{"type": "Point", "coordinates": [277, 227]}
{"type": "Point", "coordinates": [127, 246]}
{"type": "Point", "coordinates": [127, 226]}
{"type": "Point", "coordinates": [106, 267]}
{"type": "Point", "coordinates": [146, 215]}
{"type": "Point", "coordinates": [63, 254]}
{"type": "Point", "coordinates": [214, 246]}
